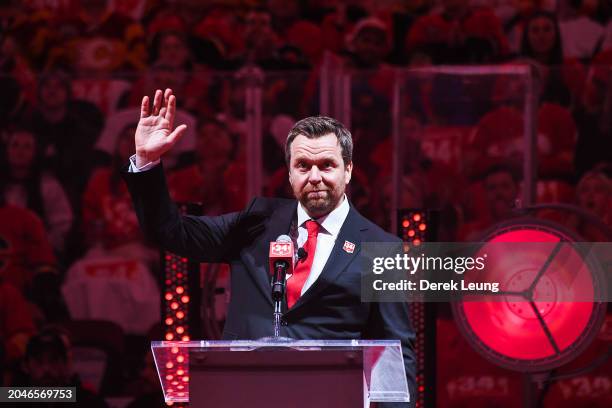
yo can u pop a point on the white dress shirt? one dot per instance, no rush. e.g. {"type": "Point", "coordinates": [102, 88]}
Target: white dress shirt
{"type": "Point", "coordinates": [135, 169]}
{"type": "Point", "coordinates": [330, 225]}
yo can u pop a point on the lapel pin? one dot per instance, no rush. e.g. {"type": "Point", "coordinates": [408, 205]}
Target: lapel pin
{"type": "Point", "coordinates": [349, 247]}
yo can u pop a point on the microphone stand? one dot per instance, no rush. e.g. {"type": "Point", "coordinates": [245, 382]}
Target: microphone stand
{"type": "Point", "coordinates": [278, 293]}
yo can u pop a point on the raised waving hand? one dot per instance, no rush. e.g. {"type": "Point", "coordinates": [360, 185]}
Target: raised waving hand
{"type": "Point", "coordinates": [155, 134]}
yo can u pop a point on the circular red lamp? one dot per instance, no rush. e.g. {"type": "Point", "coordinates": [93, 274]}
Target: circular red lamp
{"type": "Point", "coordinates": [534, 324]}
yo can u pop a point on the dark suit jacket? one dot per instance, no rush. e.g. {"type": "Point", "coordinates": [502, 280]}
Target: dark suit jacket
{"type": "Point", "coordinates": [330, 309]}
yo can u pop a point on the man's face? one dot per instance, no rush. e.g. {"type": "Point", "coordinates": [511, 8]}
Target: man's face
{"type": "Point", "coordinates": [317, 173]}
{"type": "Point", "coordinates": [53, 94]}
{"type": "Point", "coordinates": [501, 191]}
{"type": "Point", "coordinates": [593, 196]}
{"type": "Point", "coordinates": [370, 45]}
{"type": "Point", "coordinates": [173, 51]}
{"type": "Point", "coordinates": [541, 35]}
{"type": "Point", "coordinates": [20, 149]}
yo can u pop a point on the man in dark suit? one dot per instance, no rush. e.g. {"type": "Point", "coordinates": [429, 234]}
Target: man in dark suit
{"type": "Point", "coordinates": [324, 292]}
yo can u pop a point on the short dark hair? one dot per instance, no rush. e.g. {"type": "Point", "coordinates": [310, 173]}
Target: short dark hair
{"type": "Point", "coordinates": [316, 126]}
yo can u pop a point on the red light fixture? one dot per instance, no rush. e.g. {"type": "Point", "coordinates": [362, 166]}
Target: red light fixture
{"type": "Point", "coordinates": [541, 331]}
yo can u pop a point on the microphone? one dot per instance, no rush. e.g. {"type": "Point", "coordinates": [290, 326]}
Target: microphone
{"type": "Point", "coordinates": [302, 254]}
{"type": "Point", "coordinates": [281, 263]}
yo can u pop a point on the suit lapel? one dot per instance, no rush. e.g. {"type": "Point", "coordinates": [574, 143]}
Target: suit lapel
{"type": "Point", "coordinates": [339, 259]}
{"type": "Point", "coordinates": [256, 256]}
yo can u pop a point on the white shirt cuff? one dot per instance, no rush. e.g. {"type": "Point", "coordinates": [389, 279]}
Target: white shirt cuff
{"type": "Point", "coordinates": [134, 169]}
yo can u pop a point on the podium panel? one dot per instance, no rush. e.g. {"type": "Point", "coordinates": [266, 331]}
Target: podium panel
{"type": "Point", "coordinates": [300, 379]}
{"type": "Point", "coordinates": [308, 372]}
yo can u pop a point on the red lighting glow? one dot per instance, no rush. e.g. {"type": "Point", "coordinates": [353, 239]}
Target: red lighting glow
{"type": "Point", "coordinates": [512, 328]}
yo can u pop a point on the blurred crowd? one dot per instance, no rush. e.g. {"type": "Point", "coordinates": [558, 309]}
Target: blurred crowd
{"type": "Point", "coordinates": [466, 78]}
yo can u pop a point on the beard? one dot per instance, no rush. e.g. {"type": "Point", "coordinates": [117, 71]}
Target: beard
{"type": "Point", "coordinates": [319, 203]}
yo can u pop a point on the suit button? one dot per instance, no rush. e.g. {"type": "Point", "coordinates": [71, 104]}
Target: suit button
{"type": "Point", "coordinates": [284, 322]}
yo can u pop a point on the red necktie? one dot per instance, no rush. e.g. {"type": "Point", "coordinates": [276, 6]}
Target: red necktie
{"type": "Point", "coordinates": [300, 273]}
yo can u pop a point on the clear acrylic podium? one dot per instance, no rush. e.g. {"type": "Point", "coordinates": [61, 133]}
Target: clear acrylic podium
{"type": "Point", "coordinates": [297, 373]}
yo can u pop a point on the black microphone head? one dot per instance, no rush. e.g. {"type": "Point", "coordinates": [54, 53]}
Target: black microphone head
{"type": "Point", "coordinates": [302, 254]}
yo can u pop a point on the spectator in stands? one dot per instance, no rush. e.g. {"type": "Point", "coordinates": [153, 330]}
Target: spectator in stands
{"type": "Point", "coordinates": [371, 89]}
{"type": "Point", "coordinates": [171, 58]}
{"type": "Point", "coordinates": [220, 34]}
{"type": "Point", "coordinates": [172, 49]}
{"type": "Point", "coordinates": [23, 183]}
{"type": "Point", "coordinates": [337, 20]}
{"type": "Point", "coordinates": [515, 24]}
{"type": "Point", "coordinates": [260, 39]}
{"type": "Point", "coordinates": [26, 249]}
{"type": "Point", "coordinates": [108, 217]}
{"type": "Point", "coordinates": [66, 131]}
{"type": "Point", "coordinates": [501, 189]}
{"type": "Point", "coordinates": [463, 34]}
{"type": "Point", "coordinates": [27, 261]}
{"type": "Point", "coordinates": [594, 143]}
{"type": "Point", "coordinates": [499, 135]}
{"type": "Point", "coordinates": [594, 195]}
{"type": "Point", "coordinates": [207, 181]}
{"type": "Point", "coordinates": [48, 363]}
{"type": "Point", "coordinates": [13, 63]}
{"type": "Point", "coordinates": [284, 14]}
{"type": "Point", "coordinates": [16, 324]}
{"type": "Point", "coordinates": [582, 34]}
{"type": "Point", "coordinates": [13, 103]}
{"type": "Point", "coordinates": [99, 40]}
{"type": "Point", "coordinates": [369, 43]}
{"type": "Point", "coordinates": [29, 26]}
{"type": "Point", "coordinates": [561, 81]}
